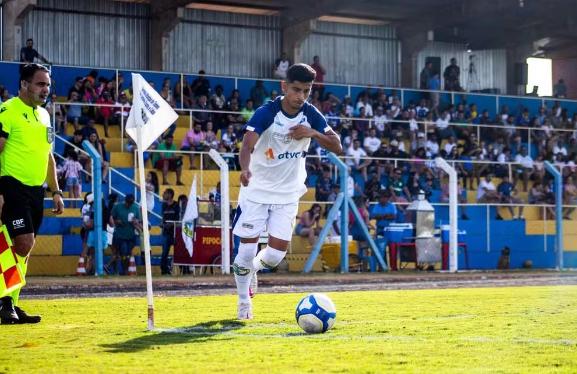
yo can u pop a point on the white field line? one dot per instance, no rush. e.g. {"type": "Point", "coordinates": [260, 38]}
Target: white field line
{"type": "Point", "coordinates": [226, 332]}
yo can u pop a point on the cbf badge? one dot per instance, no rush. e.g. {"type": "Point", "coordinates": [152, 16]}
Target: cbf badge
{"type": "Point", "coordinates": [50, 134]}
{"type": "Point", "coordinates": [188, 229]}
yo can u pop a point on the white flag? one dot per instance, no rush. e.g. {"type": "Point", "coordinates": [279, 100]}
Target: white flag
{"type": "Point", "coordinates": [149, 110]}
{"type": "Point", "coordinates": [190, 214]}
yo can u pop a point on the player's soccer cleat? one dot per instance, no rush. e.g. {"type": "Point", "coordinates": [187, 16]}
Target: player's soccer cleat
{"type": "Point", "coordinates": [244, 311]}
{"type": "Point", "coordinates": [8, 312]}
{"type": "Point", "coordinates": [25, 318]}
{"type": "Point", "coordinates": [252, 290]}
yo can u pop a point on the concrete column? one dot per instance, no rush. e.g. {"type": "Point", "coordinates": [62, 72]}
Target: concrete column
{"type": "Point", "coordinates": [410, 49]}
{"type": "Point", "coordinates": [293, 36]}
{"type": "Point", "coordinates": [14, 13]}
{"type": "Point", "coordinates": [161, 24]}
{"type": "Point", "coordinates": [516, 53]}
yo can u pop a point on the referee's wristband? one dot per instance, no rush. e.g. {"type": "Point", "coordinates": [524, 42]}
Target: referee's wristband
{"type": "Point", "coordinates": [57, 192]}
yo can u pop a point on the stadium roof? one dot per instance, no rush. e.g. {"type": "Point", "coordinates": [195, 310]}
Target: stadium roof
{"type": "Point", "coordinates": [483, 24]}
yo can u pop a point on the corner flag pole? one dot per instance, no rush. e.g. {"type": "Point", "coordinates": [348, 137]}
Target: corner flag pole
{"type": "Point", "coordinates": [146, 233]}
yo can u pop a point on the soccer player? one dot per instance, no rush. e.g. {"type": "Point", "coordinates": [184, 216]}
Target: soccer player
{"type": "Point", "coordinates": [272, 158]}
{"type": "Point", "coordinates": [26, 161]}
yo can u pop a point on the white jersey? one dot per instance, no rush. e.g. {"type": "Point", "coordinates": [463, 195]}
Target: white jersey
{"type": "Point", "coordinates": [277, 162]}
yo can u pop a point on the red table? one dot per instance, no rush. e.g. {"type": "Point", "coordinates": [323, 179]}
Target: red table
{"type": "Point", "coordinates": [394, 248]}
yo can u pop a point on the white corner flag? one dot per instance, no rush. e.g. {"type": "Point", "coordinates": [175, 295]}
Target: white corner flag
{"type": "Point", "coordinates": [149, 118]}
{"type": "Point", "coordinates": [190, 214]}
{"type": "Point", "coordinates": [150, 111]}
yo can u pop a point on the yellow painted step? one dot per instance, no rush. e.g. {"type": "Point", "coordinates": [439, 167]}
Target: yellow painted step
{"type": "Point", "coordinates": [47, 245]}
{"type": "Point", "coordinates": [52, 265]}
{"type": "Point", "coordinates": [570, 243]}
{"type": "Point", "coordinates": [531, 213]}
{"type": "Point", "coordinates": [541, 227]}
{"type": "Point", "coordinates": [156, 250]}
{"type": "Point", "coordinates": [68, 212]}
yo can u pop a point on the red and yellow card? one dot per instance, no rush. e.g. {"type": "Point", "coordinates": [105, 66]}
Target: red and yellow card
{"type": "Point", "coordinates": [11, 277]}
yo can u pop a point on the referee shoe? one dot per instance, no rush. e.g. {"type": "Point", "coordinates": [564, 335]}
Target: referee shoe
{"type": "Point", "coordinates": [8, 311]}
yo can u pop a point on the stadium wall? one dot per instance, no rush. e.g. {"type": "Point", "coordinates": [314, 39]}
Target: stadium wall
{"type": "Point", "coordinates": [224, 43]}
{"type": "Point", "coordinates": [491, 65]}
{"type": "Point", "coordinates": [355, 54]}
{"type": "Point", "coordinates": [90, 32]}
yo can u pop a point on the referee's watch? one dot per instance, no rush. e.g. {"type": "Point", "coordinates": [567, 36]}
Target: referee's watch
{"type": "Point", "coordinates": [57, 192]}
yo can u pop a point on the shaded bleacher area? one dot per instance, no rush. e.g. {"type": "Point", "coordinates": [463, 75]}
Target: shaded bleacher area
{"type": "Point", "coordinates": [533, 237]}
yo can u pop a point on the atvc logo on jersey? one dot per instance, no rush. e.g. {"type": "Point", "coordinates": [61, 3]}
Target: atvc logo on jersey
{"type": "Point", "coordinates": [287, 155]}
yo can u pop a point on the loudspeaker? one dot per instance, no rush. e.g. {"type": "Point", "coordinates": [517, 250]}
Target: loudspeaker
{"type": "Point", "coordinates": [521, 73]}
{"type": "Point", "coordinates": [436, 65]}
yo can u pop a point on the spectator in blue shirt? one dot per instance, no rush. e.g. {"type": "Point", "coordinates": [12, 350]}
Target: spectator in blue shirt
{"type": "Point", "coordinates": [435, 86]}
{"type": "Point", "coordinates": [507, 191]}
{"type": "Point", "coordinates": [384, 212]}
{"type": "Point", "coordinates": [324, 186]}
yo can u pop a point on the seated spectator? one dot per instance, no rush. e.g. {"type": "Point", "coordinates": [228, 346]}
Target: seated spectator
{"type": "Point", "coordinates": [364, 103]}
{"type": "Point", "coordinates": [379, 161]}
{"type": "Point", "coordinates": [211, 137]}
{"type": "Point", "coordinates": [395, 109]}
{"type": "Point", "coordinates": [362, 205]}
{"type": "Point", "coordinates": [195, 141]}
{"type": "Point", "coordinates": [361, 123]}
{"type": "Point", "coordinates": [432, 146]}
{"type": "Point", "coordinates": [202, 114]}
{"type": "Point", "coordinates": [247, 111]}
{"type": "Point", "coordinates": [487, 193]}
{"type": "Point", "coordinates": [122, 110]}
{"type": "Point", "coordinates": [75, 112]}
{"type": "Point", "coordinates": [132, 148]}
{"type": "Point", "coordinates": [373, 186]}
{"type": "Point", "coordinates": [418, 165]}
{"type": "Point", "coordinates": [348, 105]}
{"type": "Point", "coordinates": [413, 125]}
{"type": "Point", "coordinates": [235, 119]}
{"type": "Point", "coordinates": [354, 158]}
{"type": "Point", "coordinates": [443, 127]}
{"type": "Point", "coordinates": [445, 196]}
{"type": "Point", "coordinates": [560, 147]}
{"type": "Point", "coordinates": [312, 164]}
{"type": "Point", "coordinates": [422, 109]}
{"type": "Point", "coordinates": [185, 99]}
{"type": "Point", "coordinates": [218, 102]}
{"type": "Point", "coordinates": [541, 195]}
{"type": "Point", "coordinates": [397, 188]}
{"type": "Point", "coordinates": [309, 224]}
{"type": "Point", "coordinates": [166, 160]}
{"type": "Point", "coordinates": [371, 143]}
{"type": "Point", "coordinates": [384, 212]}
{"type": "Point", "coordinates": [348, 140]}
{"type": "Point", "coordinates": [5, 95]}
{"type": "Point", "coordinates": [324, 186]}
{"type": "Point", "coordinates": [325, 162]}
{"type": "Point", "coordinates": [329, 101]}
{"type": "Point", "coordinates": [524, 168]}
{"type": "Point", "coordinates": [333, 119]}
{"type": "Point", "coordinates": [106, 113]}
{"type": "Point", "coordinates": [229, 140]}
{"type": "Point", "coordinates": [89, 91]}
{"type": "Point", "coordinates": [448, 147]}
{"type": "Point", "coordinates": [507, 192]}
{"type": "Point", "coordinates": [258, 93]}
{"type": "Point", "coordinates": [167, 95]}
{"type": "Point", "coordinates": [89, 129]}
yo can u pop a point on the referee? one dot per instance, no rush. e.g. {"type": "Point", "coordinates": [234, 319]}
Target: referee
{"type": "Point", "coordinates": [26, 161]}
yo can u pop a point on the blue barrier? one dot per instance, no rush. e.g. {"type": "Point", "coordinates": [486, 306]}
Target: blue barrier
{"type": "Point", "coordinates": [97, 193]}
{"type": "Point", "coordinates": [558, 211]}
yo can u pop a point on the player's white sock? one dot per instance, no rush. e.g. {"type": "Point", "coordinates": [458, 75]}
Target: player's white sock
{"type": "Point", "coordinates": [243, 270]}
{"type": "Point", "coordinates": [268, 258]}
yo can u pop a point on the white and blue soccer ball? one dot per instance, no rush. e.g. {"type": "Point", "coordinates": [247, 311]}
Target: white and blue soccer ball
{"type": "Point", "coordinates": [316, 313]}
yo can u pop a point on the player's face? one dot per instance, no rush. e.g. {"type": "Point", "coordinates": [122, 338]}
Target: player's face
{"type": "Point", "coordinates": [296, 93]}
{"type": "Point", "coordinates": [39, 88]}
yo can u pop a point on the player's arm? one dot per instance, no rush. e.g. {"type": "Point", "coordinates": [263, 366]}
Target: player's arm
{"type": "Point", "coordinates": [329, 140]}
{"type": "Point", "coordinates": [248, 143]}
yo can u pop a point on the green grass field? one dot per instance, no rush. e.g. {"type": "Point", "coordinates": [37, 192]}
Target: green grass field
{"type": "Point", "coordinates": [489, 330]}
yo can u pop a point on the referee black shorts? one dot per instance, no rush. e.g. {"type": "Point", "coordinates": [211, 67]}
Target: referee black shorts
{"type": "Point", "coordinates": [23, 207]}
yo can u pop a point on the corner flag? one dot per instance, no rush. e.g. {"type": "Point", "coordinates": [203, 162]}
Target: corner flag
{"type": "Point", "coordinates": [11, 277]}
{"type": "Point", "coordinates": [190, 214]}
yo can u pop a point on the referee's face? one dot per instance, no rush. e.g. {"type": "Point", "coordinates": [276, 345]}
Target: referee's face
{"type": "Point", "coordinates": [39, 88]}
{"type": "Point", "coordinates": [296, 93]}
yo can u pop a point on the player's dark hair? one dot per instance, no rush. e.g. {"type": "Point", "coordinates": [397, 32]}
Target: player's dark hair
{"type": "Point", "coordinates": [300, 73]}
{"type": "Point", "coordinates": [30, 40]}
{"type": "Point", "coordinates": [28, 71]}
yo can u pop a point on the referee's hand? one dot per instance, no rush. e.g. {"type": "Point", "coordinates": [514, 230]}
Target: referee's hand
{"type": "Point", "coordinates": [58, 204]}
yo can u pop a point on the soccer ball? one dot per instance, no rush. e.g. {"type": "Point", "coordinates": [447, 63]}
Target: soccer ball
{"type": "Point", "coordinates": [316, 313]}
